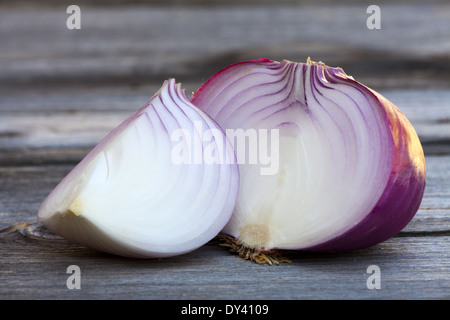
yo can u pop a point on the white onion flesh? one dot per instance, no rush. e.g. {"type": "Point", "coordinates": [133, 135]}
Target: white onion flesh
{"type": "Point", "coordinates": [129, 196]}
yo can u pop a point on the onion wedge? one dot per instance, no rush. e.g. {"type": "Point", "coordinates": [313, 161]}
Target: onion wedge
{"type": "Point", "coordinates": [133, 195]}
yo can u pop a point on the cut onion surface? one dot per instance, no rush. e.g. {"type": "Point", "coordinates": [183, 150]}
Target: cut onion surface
{"type": "Point", "coordinates": [348, 169]}
{"type": "Point", "coordinates": [133, 196]}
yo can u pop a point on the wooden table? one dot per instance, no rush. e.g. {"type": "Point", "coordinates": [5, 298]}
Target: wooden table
{"type": "Point", "coordinates": [62, 90]}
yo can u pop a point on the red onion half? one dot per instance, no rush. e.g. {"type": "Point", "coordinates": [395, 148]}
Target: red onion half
{"type": "Point", "coordinates": [350, 168]}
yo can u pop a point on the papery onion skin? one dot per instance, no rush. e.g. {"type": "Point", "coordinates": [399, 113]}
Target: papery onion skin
{"type": "Point", "coordinates": [400, 154]}
{"type": "Point", "coordinates": [188, 204]}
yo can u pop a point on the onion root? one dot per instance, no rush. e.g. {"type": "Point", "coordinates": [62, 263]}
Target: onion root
{"type": "Point", "coordinates": [258, 256]}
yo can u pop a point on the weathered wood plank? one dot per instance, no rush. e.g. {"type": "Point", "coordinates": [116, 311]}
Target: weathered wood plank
{"type": "Point", "coordinates": [151, 43]}
{"type": "Point", "coordinates": [415, 264]}
{"type": "Point", "coordinates": [35, 127]}
{"type": "Point", "coordinates": [37, 269]}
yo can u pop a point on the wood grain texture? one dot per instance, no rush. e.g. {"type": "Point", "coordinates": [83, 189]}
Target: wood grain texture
{"type": "Point", "coordinates": [71, 122]}
{"type": "Point", "coordinates": [211, 272]}
{"type": "Point", "coordinates": [414, 264]}
{"type": "Point", "coordinates": [61, 91]}
{"type": "Point", "coordinates": [138, 44]}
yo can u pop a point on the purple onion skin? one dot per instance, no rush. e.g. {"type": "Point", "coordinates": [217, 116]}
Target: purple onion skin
{"type": "Point", "coordinates": [404, 190]}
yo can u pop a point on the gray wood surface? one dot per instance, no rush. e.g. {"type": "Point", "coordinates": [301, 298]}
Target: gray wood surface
{"type": "Point", "coordinates": [62, 90]}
